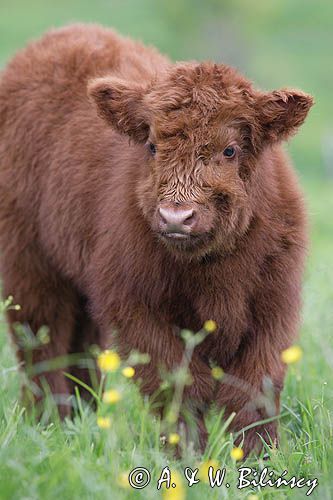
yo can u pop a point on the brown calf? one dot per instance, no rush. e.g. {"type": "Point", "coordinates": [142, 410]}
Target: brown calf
{"type": "Point", "coordinates": [147, 197]}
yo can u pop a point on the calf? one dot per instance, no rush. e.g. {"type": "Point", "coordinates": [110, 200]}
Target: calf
{"type": "Point", "coordinates": [146, 197]}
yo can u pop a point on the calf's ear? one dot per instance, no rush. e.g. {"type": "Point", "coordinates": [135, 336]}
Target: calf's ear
{"type": "Point", "coordinates": [281, 112]}
{"type": "Point", "coordinates": [121, 105]}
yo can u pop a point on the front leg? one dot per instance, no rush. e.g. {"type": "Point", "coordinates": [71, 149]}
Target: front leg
{"type": "Point", "coordinates": [251, 388]}
{"type": "Point", "coordinates": [254, 377]}
{"type": "Point", "coordinates": [142, 331]}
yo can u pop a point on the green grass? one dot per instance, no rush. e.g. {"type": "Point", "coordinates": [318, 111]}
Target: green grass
{"type": "Point", "coordinates": [76, 459]}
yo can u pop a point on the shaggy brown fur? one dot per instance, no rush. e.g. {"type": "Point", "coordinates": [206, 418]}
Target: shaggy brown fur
{"type": "Point", "coordinates": [146, 196]}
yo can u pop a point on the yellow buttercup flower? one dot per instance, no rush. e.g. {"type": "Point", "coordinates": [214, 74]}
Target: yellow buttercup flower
{"type": "Point", "coordinates": [217, 373]}
{"type": "Point", "coordinates": [128, 372]}
{"type": "Point", "coordinates": [177, 493]}
{"type": "Point", "coordinates": [210, 326]}
{"type": "Point", "coordinates": [292, 354]}
{"type": "Point", "coordinates": [252, 497]}
{"type": "Point", "coordinates": [123, 480]}
{"type": "Point", "coordinates": [104, 422]}
{"type": "Point", "coordinates": [173, 438]}
{"type": "Point", "coordinates": [108, 361]}
{"type": "Point", "coordinates": [204, 467]}
{"type": "Point", "coordinates": [112, 396]}
{"type": "Point", "coordinates": [237, 454]}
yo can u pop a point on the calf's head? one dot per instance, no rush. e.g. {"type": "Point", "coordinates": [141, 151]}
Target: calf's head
{"type": "Point", "coordinates": [202, 128]}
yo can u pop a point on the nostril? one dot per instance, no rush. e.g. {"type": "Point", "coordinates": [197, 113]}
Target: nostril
{"type": "Point", "coordinates": [163, 215]}
{"type": "Point", "coordinates": [189, 218]}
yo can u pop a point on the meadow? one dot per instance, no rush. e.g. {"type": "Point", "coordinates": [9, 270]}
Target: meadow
{"type": "Point", "coordinates": [276, 44]}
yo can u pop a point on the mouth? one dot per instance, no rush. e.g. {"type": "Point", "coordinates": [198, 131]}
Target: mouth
{"type": "Point", "coordinates": [183, 242]}
{"type": "Point", "coordinates": [176, 236]}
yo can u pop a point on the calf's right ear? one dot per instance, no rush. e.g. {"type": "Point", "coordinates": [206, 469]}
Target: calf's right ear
{"type": "Point", "coordinates": [121, 105]}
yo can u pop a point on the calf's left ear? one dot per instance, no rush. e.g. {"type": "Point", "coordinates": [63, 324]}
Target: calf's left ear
{"type": "Point", "coordinates": [121, 105]}
{"type": "Point", "coordinates": [281, 112]}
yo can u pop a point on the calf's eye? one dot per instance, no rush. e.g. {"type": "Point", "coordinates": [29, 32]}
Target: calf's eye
{"type": "Point", "coordinates": [152, 148]}
{"type": "Point", "coordinates": [229, 152]}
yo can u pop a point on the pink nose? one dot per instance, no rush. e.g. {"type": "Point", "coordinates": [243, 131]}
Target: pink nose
{"type": "Point", "coordinates": [176, 219]}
